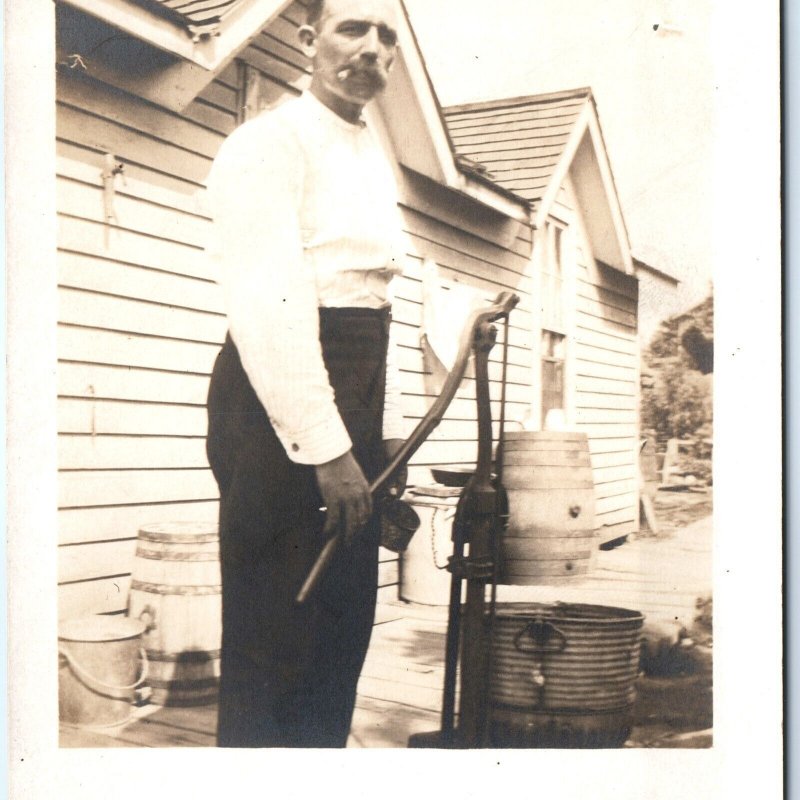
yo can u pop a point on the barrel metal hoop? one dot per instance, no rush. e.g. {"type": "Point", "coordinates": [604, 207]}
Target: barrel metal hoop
{"type": "Point", "coordinates": [184, 656]}
{"type": "Point", "coordinates": [163, 588]}
{"type": "Point", "coordinates": [166, 555]}
{"type": "Point", "coordinates": [180, 538]}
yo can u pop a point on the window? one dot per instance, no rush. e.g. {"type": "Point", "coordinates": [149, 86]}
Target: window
{"type": "Point", "coordinates": [556, 289]}
{"type": "Point", "coordinates": [553, 347]}
{"type": "Point", "coordinates": [553, 278]}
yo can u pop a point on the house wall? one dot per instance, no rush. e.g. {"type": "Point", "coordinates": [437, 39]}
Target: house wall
{"type": "Point", "coordinates": [141, 319]}
{"type": "Point", "coordinates": [605, 376]}
{"type": "Point", "coordinates": [602, 367]}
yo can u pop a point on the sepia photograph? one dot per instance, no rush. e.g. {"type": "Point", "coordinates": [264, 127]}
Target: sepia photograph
{"type": "Point", "coordinates": [379, 378]}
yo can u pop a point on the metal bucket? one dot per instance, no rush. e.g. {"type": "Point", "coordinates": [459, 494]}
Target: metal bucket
{"type": "Point", "coordinates": [563, 675]}
{"type": "Point", "coordinates": [101, 663]}
{"type": "Point", "coordinates": [423, 574]}
{"type": "Point", "coordinates": [551, 537]}
{"type": "Point", "coordinates": [176, 589]}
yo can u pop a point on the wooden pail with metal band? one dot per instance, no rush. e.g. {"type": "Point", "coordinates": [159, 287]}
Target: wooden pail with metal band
{"type": "Point", "coordinates": [176, 590]}
{"type": "Point", "coordinates": [563, 675]}
{"type": "Point", "coordinates": [551, 536]}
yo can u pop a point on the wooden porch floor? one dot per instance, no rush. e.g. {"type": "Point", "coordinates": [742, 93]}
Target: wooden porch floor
{"type": "Point", "coordinates": [400, 688]}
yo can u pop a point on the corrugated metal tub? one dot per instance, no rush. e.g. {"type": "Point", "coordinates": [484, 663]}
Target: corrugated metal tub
{"type": "Point", "coordinates": [563, 675]}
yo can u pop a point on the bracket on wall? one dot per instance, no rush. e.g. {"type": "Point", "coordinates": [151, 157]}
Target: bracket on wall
{"type": "Point", "coordinates": [111, 169]}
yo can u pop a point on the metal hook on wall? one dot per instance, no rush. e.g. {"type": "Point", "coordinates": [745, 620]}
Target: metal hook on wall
{"type": "Point", "coordinates": [111, 169]}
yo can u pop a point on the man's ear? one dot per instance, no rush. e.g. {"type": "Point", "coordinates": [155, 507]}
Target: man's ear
{"type": "Point", "coordinates": [307, 35]}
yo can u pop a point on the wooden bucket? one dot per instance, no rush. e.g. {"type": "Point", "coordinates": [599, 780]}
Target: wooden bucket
{"type": "Point", "coordinates": [176, 590]}
{"type": "Point", "coordinates": [551, 537]}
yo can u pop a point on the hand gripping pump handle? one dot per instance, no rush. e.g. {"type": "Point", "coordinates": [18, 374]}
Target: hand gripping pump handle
{"type": "Point", "coordinates": [500, 308]}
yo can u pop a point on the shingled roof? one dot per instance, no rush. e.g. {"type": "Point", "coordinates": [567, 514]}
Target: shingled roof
{"type": "Point", "coordinates": [198, 16]}
{"type": "Point", "coordinates": [529, 145]}
{"type": "Point", "coordinates": [519, 140]}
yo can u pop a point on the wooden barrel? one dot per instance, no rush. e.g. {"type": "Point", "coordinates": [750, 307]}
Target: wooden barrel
{"type": "Point", "coordinates": [563, 675]}
{"type": "Point", "coordinates": [176, 590]}
{"type": "Point", "coordinates": [551, 536]}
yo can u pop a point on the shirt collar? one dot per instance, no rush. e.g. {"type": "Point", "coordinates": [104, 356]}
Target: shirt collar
{"type": "Point", "coordinates": [322, 110]}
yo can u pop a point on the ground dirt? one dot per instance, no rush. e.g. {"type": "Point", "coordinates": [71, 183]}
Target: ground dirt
{"type": "Point", "coordinates": [675, 700]}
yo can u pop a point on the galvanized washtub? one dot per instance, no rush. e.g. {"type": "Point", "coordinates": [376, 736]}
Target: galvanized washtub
{"type": "Point", "coordinates": [563, 675]}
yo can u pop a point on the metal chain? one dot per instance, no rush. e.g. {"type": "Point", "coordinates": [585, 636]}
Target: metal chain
{"type": "Point", "coordinates": [436, 510]}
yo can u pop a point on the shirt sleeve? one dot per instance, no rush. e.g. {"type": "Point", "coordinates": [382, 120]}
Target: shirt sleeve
{"type": "Point", "coordinates": [255, 191]}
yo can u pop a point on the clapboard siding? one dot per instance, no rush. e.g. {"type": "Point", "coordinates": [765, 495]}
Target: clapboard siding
{"type": "Point", "coordinates": [89, 345]}
{"type": "Point", "coordinates": [100, 595]}
{"type": "Point", "coordinates": [79, 235]}
{"type": "Point", "coordinates": [84, 451]}
{"type": "Point", "coordinates": [86, 164]}
{"type": "Point", "coordinates": [141, 318]}
{"type": "Point", "coordinates": [132, 145]}
{"type": "Point", "coordinates": [81, 271]}
{"type": "Point", "coordinates": [85, 201]}
{"type": "Point", "coordinates": [106, 382]}
{"type": "Point", "coordinates": [111, 417]}
{"type": "Point", "coordinates": [108, 312]}
{"type": "Point", "coordinates": [79, 489]}
{"type": "Point", "coordinates": [606, 383]}
{"type": "Point", "coordinates": [109, 523]}
{"type": "Point", "coordinates": [83, 562]}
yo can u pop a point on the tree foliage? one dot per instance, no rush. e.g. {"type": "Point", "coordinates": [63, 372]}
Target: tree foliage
{"type": "Point", "coordinates": [676, 395]}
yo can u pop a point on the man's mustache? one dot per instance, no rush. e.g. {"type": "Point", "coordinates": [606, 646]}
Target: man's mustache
{"type": "Point", "coordinates": [375, 75]}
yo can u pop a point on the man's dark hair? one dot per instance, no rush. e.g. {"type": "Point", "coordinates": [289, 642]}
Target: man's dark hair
{"type": "Point", "coordinates": [314, 11]}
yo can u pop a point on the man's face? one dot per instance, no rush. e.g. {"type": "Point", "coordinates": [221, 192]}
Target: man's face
{"type": "Point", "coordinates": [355, 47]}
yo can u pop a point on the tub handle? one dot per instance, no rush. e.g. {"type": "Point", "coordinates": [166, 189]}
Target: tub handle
{"type": "Point", "coordinates": [148, 616]}
{"type": "Point", "coordinates": [544, 638]}
{"type": "Point", "coordinates": [117, 692]}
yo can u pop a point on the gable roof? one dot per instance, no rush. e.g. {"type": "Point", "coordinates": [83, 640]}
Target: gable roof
{"type": "Point", "coordinates": [198, 16]}
{"type": "Point", "coordinates": [521, 140]}
{"type": "Point", "coordinates": [531, 144]}
{"type": "Point", "coordinates": [659, 273]}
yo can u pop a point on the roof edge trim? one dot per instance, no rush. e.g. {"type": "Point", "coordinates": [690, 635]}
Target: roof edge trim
{"type": "Point", "coordinates": [198, 47]}
{"type": "Point", "coordinates": [509, 102]}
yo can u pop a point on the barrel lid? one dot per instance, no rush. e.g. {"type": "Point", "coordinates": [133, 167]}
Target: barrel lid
{"type": "Point", "coordinates": [99, 628]}
{"type": "Point", "coordinates": [179, 528]}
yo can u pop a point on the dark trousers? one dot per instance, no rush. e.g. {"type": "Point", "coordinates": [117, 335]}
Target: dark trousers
{"type": "Point", "coordinates": [289, 672]}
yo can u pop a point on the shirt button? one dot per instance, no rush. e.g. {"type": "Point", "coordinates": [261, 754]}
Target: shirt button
{"type": "Point", "coordinates": [295, 448]}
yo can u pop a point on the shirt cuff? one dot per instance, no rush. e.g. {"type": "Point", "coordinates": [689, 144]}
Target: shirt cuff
{"type": "Point", "coordinates": [316, 445]}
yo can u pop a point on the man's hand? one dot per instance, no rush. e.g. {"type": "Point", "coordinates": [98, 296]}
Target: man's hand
{"type": "Point", "coordinates": [398, 484]}
{"type": "Point", "coordinates": [346, 494]}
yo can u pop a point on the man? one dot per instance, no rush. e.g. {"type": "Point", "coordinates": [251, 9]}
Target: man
{"type": "Point", "coordinates": [303, 406]}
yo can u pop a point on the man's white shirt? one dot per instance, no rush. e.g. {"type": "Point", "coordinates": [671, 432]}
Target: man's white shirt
{"type": "Point", "coordinates": [305, 216]}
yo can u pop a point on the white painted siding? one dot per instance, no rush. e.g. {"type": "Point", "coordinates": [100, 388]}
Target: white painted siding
{"type": "Point", "coordinates": [606, 381]}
